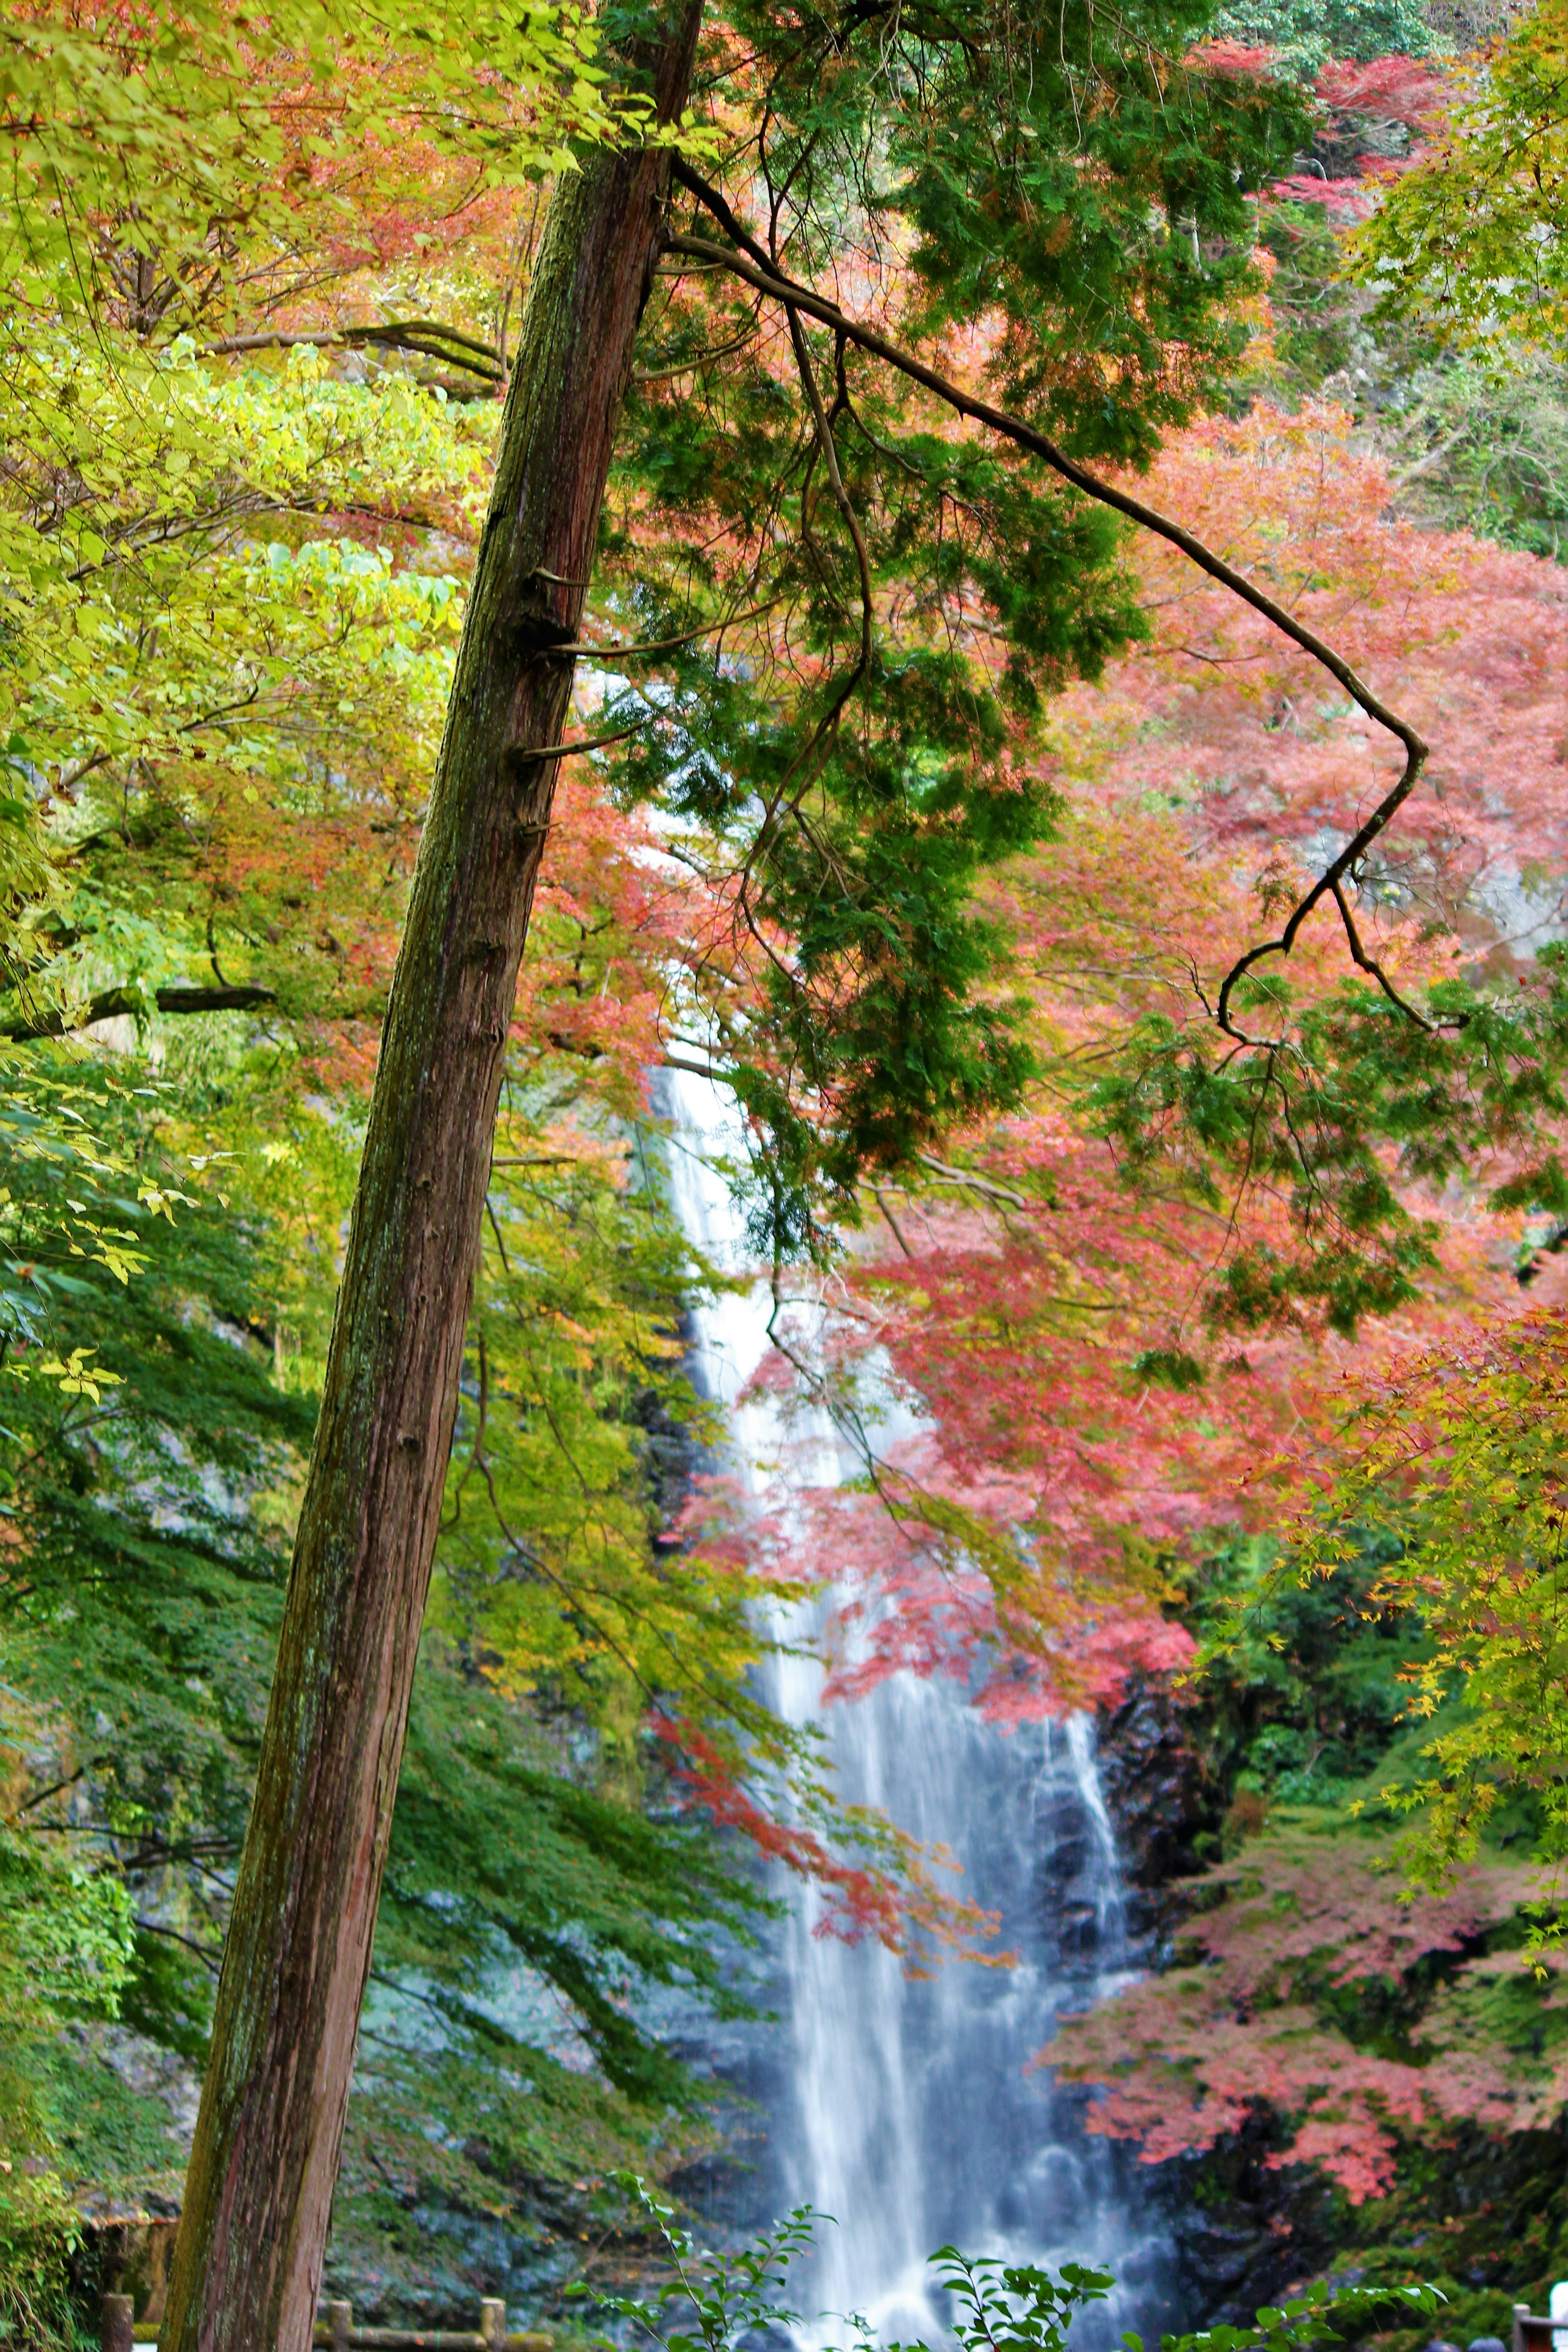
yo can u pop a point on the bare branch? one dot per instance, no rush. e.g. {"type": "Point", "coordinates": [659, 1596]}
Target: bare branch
{"type": "Point", "coordinates": [426, 337]}
{"type": "Point", "coordinates": [111, 1002]}
{"type": "Point", "coordinates": [1370, 964]}
{"type": "Point", "coordinates": [669, 644]}
{"type": "Point", "coordinates": [972, 1182]}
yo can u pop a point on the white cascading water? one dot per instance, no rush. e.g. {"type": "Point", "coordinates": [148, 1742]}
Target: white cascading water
{"type": "Point", "coordinates": [905, 2109]}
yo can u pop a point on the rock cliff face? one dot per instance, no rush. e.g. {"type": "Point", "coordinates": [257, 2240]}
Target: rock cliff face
{"type": "Point", "coordinates": [1163, 1796]}
{"type": "Point", "coordinates": [1240, 2234]}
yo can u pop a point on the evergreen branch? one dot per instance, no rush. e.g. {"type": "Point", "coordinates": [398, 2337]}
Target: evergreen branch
{"type": "Point", "coordinates": [767, 279]}
{"type": "Point", "coordinates": [703, 358]}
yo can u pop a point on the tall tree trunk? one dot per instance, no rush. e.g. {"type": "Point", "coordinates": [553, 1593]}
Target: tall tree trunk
{"type": "Point", "coordinates": [248, 2263]}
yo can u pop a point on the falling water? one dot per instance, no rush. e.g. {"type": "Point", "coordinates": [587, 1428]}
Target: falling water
{"type": "Point", "coordinates": [903, 2107]}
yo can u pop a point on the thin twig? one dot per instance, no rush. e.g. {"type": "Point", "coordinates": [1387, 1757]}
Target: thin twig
{"type": "Point", "coordinates": [1370, 964]}
{"type": "Point", "coordinates": [590, 744]}
{"type": "Point", "coordinates": [669, 645]}
{"type": "Point", "coordinates": [892, 1223]}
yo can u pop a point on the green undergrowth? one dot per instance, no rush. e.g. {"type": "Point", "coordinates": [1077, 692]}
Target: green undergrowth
{"type": "Point", "coordinates": [548, 1905]}
{"type": "Point", "coordinates": [1298, 1741]}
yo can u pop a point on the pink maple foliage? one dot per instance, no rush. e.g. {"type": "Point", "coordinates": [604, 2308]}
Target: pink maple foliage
{"type": "Point", "coordinates": [1240, 2024]}
{"type": "Point", "coordinates": [1412, 91]}
{"type": "Point", "coordinates": [1019, 1342]}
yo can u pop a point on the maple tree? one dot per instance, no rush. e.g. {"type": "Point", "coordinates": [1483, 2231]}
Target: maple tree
{"type": "Point", "coordinates": [1093, 1337]}
{"type": "Point", "coordinates": [1046, 1328]}
{"type": "Point", "coordinates": [1300, 42]}
{"type": "Point", "coordinates": [1245, 2020]}
{"type": "Point", "coordinates": [817, 940]}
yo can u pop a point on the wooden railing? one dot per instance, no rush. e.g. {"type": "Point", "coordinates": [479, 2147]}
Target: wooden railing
{"type": "Point", "coordinates": [1533, 2334]}
{"type": "Point", "coordinates": [337, 2333]}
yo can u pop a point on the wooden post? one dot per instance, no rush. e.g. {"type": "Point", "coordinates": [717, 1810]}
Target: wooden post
{"type": "Point", "coordinates": [492, 2324]}
{"type": "Point", "coordinates": [1520, 2314]}
{"type": "Point", "coordinates": [339, 2319]}
{"type": "Point", "coordinates": [119, 2331]}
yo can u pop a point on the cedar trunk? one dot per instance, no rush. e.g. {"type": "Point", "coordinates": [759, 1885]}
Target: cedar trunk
{"type": "Point", "coordinates": [247, 2262]}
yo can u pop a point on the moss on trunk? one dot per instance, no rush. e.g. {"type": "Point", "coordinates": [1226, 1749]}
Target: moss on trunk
{"type": "Point", "coordinates": [248, 2259]}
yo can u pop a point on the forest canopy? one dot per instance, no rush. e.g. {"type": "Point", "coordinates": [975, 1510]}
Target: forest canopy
{"type": "Point", "coordinates": [1148, 1047]}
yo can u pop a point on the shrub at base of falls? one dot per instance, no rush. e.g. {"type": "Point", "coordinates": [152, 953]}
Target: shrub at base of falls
{"type": "Point", "coordinates": [1298, 1985]}
{"type": "Point", "coordinates": [1333, 2083]}
{"type": "Point", "coordinates": [1330, 2078]}
{"type": "Point", "coordinates": [708, 2301]}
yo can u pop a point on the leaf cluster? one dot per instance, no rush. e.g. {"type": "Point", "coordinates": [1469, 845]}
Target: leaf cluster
{"type": "Point", "coordinates": [1352, 1109]}
{"type": "Point", "coordinates": [995, 2307]}
{"type": "Point", "coordinates": [1456, 1463]}
{"type": "Point", "coordinates": [164, 158]}
{"type": "Point", "coordinates": [1470, 241]}
{"type": "Point", "coordinates": [1302, 38]}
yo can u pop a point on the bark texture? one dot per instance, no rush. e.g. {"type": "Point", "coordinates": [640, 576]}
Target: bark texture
{"type": "Point", "coordinates": [247, 2261]}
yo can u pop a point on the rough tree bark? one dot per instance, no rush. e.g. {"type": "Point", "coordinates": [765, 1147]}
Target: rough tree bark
{"type": "Point", "coordinates": [247, 2262]}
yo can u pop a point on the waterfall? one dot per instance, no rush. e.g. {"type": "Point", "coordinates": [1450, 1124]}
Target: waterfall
{"type": "Point", "coordinates": [905, 2109]}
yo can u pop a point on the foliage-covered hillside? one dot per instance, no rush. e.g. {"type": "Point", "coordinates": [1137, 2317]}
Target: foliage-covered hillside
{"type": "Point", "coordinates": [943, 818]}
{"type": "Point", "coordinates": [1331, 2076]}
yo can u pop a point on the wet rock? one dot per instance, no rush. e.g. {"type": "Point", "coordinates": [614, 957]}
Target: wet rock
{"type": "Point", "coordinates": [1242, 2234]}
{"type": "Point", "coordinates": [1162, 1795]}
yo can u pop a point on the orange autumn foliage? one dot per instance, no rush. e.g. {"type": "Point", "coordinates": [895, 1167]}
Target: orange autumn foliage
{"type": "Point", "coordinates": [1025, 1344]}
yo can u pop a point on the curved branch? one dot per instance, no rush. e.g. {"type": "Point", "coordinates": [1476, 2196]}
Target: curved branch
{"type": "Point", "coordinates": [796, 298]}
{"type": "Point", "coordinates": [426, 337]}
{"type": "Point", "coordinates": [1370, 964]}
{"type": "Point", "coordinates": [111, 1002]}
